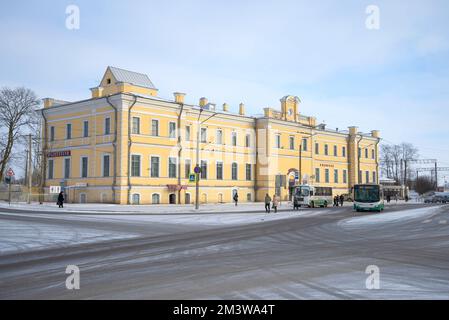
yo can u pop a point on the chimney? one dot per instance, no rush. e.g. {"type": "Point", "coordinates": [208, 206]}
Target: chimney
{"type": "Point", "coordinates": [179, 97]}
{"type": "Point", "coordinates": [225, 107]}
{"type": "Point", "coordinates": [241, 109]}
{"type": "Point", "coordinates": [48, 102]}
{"type": "Point", "coordinates": [353, 130]}
{"type": "Point", "coordinates": [375, 133]}
{"type": "Point", "coordinates": [203, 101]}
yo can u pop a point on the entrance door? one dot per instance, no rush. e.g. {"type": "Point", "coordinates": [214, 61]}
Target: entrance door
{"type": "Point", "coordinates": [83, 198]}
{"type": "Point", "coordinates": [187, 198]}
{"type": "Point", "coordinates": [172, 198]}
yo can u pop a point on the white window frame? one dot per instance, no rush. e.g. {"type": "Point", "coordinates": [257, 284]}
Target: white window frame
{"type": "Point", "coordinates": [219, 133]}
{"type": "Point", "coordinates": [132, 125]}
{"type": "Point", "coordinates": [67, 131]}
{"type": "Point", "coordinates": [85, 134]}
{"type": "Point", "coordinates": [131, 162]}
{"type": "Point", "coordinates": [159, 195]}
{"type": "Point", "coordinates": [159, 165]}
{"type": "Point", "coordinates": [169, 131]}
{"type": "Point", "coordinates": [234, 138]}
{"type": "Point", "coordinates": [104, 126]}
{"type": "Point", "coordinates": [168, 167]}
{"type": "Point", "coordinates": [222, 170]}
{"type": "Point", "coordinates": [102, 165]}
{"type": "Point", "coordinates": [64, 167]}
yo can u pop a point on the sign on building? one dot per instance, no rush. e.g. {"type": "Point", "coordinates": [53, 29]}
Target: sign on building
{"type": "Point", "coordinates": [54, 154]}
{"type": "Point", "coordinates": [55, 189]}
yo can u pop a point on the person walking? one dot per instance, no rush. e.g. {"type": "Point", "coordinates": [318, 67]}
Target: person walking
{"type": "Point", "coordinates": [336, 201]}
{"type": "Point", "coordinates": [60, 202]}
{"type": "Point", "coordinates": [388, 198]}
{"type": "Point", "coordinates": [267, 203]}
{"type": "Point", "coordinates": [342, 200]}
{"type": "Point", "coordinates": [275, 203]}
{"type": "Point", "coordinates": [236, 198]}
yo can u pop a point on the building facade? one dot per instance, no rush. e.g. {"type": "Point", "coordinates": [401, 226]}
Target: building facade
{"type": "Point", "coordinates": [126, 145]}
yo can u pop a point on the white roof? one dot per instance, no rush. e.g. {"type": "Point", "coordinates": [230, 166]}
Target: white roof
{"type": "Point", "coordinates": [138, 79]}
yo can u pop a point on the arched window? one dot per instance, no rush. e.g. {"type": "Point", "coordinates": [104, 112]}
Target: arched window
{"type": "Point", "coordinates": [155, 198]}
{"type": "Point", "coordinates": [136, 198]}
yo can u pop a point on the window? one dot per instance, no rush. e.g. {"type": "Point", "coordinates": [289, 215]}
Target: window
{"type": "Point", "coordinates": [155, 198]}
{"type": "Point", "coordinates": [172, 167]}
{"type": "Point", "coordinates": [335, 175]}
{"type": "Point", "coordinates": [219, 136]}
{"type": "Point", "coordinates": [135, 198]}
{"type": "Point", "coordinates": [345, 177]}
{"type": "Point", "coordinates": [335, 151]}
{"type": "Point", "coordinates": [107, 126]}
{"type": "Point", "coordinates": [106, 159]}
{"type": "Point", "coordinates": [374, 177]}
{"type": "Point", "coordinates": [203, 135]}
{"type": "Point", "coordinates": [278, 141]}
{"type": "Point", "coordinates": [326, 175]}
{"type": "Point", "coordinates": [234, 139]}
{"type": "Point", "coordinates": [135, 165]}
{"type": "Point", "coordinates": [326, 149]}
{"type": "Point", "coordinates": [172, 130]}
{"type": "Point", "coordinates": [248, 172]}
{"type": "Point", "coordinates": [108, 80]}
{"type": "Point", "coordinates": [360, 177]}
{"type": "Point", "coordinates": [154, 167]}
{"type": "Point", "coordinates": [187, 133]}
{"type": "Point", "coordinates": [292, 143]}
{"type": "Point", "coordinates": [85, 129]}
{"type": "Point", "coordinates": [317, 148]}
{"type": "Point", "coordinates": [136, 125]}
{"type": "Point", "coordinates": [366, 153]}
{"type": "Point", "coordinates": [66, 168]}
{"type": "Point", "coordinates": [52, 133]}
{"type": "Point", "coordinates": [234, 171]}
{"type": "Point", "coordinates": [367, 176]}
{"type": "Point", "coordinates": [50, 169]}
{"type": "Point", "coordinates": [187, 165]}
{"type": "Point", "coordinates": [248, 141]}
{"type": "Point", "coordinates": [155, 127]}
{"type": "Point", "coordinates": [84, 167]}
{"type": "Point", "coordinates": [343, 151]}
{"type": "Point", "coordinates": [359, 154]}
{"type": "Point", "coordinates": [373, 154]}
{"type": "Point", "coordinates": [219, 170]}
{"type": "Point", "coordinates": [304, 144]}
{"type": "Point", "coordinates": [68, 131]}
{"type": "Point", "coordinates": [317, 174]}
{"type": "Point", "coordinates": [203, 169]}
{"type": "Point", "coordinates": [248, 197]}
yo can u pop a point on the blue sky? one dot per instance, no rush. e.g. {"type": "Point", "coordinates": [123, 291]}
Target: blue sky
{"type": "Point", "coordinates": [395, 79]}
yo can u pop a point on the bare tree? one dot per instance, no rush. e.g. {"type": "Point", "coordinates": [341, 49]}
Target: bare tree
{"type": "Point", "coordinates": [424, 184]}
{"type": "Point", "coordinates": [16, 109]}
{"type": "Point", "coordinates": [393, 159]}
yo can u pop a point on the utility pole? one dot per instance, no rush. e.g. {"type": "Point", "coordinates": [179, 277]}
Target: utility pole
{"type": "Point", "coordinates": [30, 172]}
{"type": "Point", "coordinates": [197, 167]}
{"type": "Point", "coordinates": [436, 175]}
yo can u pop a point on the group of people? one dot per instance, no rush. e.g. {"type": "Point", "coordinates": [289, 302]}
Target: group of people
{"type": "Point", "coordinates": [339, 200]}
{"type": "Point", "coordinates": [272, 203]}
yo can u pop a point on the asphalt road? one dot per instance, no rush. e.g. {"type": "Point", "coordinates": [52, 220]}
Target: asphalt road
{"type": "Point", "coordinates": [323, 256]}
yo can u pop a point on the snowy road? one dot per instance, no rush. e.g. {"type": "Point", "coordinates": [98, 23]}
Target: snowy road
{"type": "Point", "coordinates": [319, 253]}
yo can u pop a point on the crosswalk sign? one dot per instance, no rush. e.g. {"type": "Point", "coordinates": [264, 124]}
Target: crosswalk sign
{"type": "Point", "coordinates": [192, 177]}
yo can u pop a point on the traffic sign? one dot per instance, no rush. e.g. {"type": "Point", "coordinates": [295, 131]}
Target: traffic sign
{"type": "Point", "coordinates": [55, 189]}
{"type": "Point", "coordinates": [192, 177]}
{"type": "Point", "coordinates": [197, 169]}
{"type": "Point", "coordinates": [10, 172]}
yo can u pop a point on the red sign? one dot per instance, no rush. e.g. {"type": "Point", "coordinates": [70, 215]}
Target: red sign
{"type": "Point", "coordinates": [176, 187]}
{"type": "Point", "coordinates": [59, 154]}
{"type": "Point", "coordinates": [10, 172]}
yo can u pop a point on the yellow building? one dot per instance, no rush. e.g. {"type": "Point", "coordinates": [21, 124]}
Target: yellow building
{"type": "Point", "coordinates": [126, 145]}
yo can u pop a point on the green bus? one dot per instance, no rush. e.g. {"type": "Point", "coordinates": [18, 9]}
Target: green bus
{"type": "Point", "coordinates": [368, 197]}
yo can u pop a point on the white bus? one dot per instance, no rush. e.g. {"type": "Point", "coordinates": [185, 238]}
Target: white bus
{"type": "Point", "coordinates": [368, 197]}
{"type": "Point", "coordinates": [312, 196]}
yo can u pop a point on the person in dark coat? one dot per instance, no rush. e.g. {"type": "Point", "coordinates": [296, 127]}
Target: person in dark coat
{"type": "Point", "coordinates": [60, 202]}
{"type": "Point", "coordinates": [342, 199]}
{"type": "Point", "coordinates": [267, 203]}
{"type": "Point", "coordinates": [236, 198]}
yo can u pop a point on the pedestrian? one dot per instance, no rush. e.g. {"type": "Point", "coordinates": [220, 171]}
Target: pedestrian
{"type": "Point", "coordinates": [236, 198]}
{"type": "Point", "coordinates": [275, 203]}
{"type": "Point", "coordinates": [396, 198]}
{"type": "Point", "coordinates": [342, 199]}
{"type": "Point", "coordinates": [267, 203]}
{"type": "Point", "coordinates": [60, 202]}
{"type": "Point", "coordinates": [388, 198]}
{"type": "Point", "coordinates": [406, 198]}
{"type": "Point", "coordinates": [335, 201]}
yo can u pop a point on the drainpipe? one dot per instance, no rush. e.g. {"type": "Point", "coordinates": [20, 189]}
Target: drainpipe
{"type": "Point", "coordinates": [179, 152]}
{"type": "Point", "coordinates": [129, 148]}
{"type": "Point", "coordinates": [44, 159]}
{"type": "Point", "coordinates": [377, 161]}
{"type": "Point", "coordinates": [114, 146]}
{"type": "Point", "coordinates": [256, 154]}
{"type": "Point", "coordinates": [359, 154]}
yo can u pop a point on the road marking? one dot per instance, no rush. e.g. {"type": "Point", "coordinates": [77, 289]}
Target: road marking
{"type": "Point", "coordinates": [442, 222]}
{"type": "Point", "coordinates": [427, 221]}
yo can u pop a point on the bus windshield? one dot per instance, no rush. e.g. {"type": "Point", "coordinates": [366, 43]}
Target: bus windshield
{"type": "Point", "coordinates": [302, 191]}
{"type": "Point", "coordinates": [366, 193]}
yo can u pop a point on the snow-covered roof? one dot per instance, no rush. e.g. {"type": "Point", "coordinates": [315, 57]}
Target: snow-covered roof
{"type": "Point", "coordinates": [138, 79]}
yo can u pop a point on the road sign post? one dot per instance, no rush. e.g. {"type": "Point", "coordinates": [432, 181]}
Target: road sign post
{"type": "Point", "coordinates": [9, 175]}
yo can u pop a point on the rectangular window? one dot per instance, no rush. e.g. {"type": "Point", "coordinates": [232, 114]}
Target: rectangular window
{"type": "Point", "coordinates": [219, 170]}
{"type": "Point", "coordinates": [203, 169]}
{"type": "Point", "coordinates": [374, 177]}
{"type": "Point", "coordinates": [317, 148]}
{"type": "Point", "coordinates": [187, 133]}
{"type": "Point", "coordinates": [326, 149]}
{"type": "Point", "coordinates": [106, 159]}
{"type": "Point", "coordinates": [248, 172]}
{"type": "Point", "coordinates": [360, 177]}
{"type": "Point", "coordinates": [68, 131]}
{"type": "Point", "coordinates": [234, 139]}
{"type": "Point", "coordinates": [172, 164]}
{"type": "Point", "coordinates": [172, 130]}
{"type": "Point", "coordinates": [367, 176]}
{"type": "Point", "coordinates": [52, 133]}
{"type": "Point", "coordinates": [304, 144]}
{"type": "Point", "coordinates": [85, 129]}
{"type": "Point", "coordinates": [335, 175]}
{"type": "Point", "coordinates": [326, 175]}
{"type": "Point", "coordinates": [278, 141]}
{"type": "Point", "coordinates": [50, 169]}
{"type": "Point", "coordinates": [187, 165]}
{"type": "Point", "coordinates": [234, 171]}
{"type": "Point", "coordinates": [154, 167]}
{"type": "Point", "coordinates": [84, 167]}
{"type": "Point", "coordinates": [155, 128]}
{"type": "Point", "coordinates": [248, 141]}
{"type": "Point", "coordinates": [107, 126]}
{"type": "Point", "coordinates": [345, 177]}
{"type": "Point", "coordinates": [219, 136]}
{"type": "Point", "coordinates": [343, 151]}
{"type": "Point", "coordinates": [292, 143]}
{"type": "Point", "coordinates": [366, 153]}
{"type": "Point", "coordinates": [66, 168]}
{"type": "Point", "coordinates": [135, 165]}
{"type": "Point", "coordinates": [373, 154]}
{"type": "Point", "coordinates": [359, 154]}
{"type": "Point", "coordinates": [335, 151]}
{"type": "Point", "coordinates": [317, 174]}
{"type": "Point", "coordinates": [136, 125]}
{"type": "Point", "coordinates": [203, 135]}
